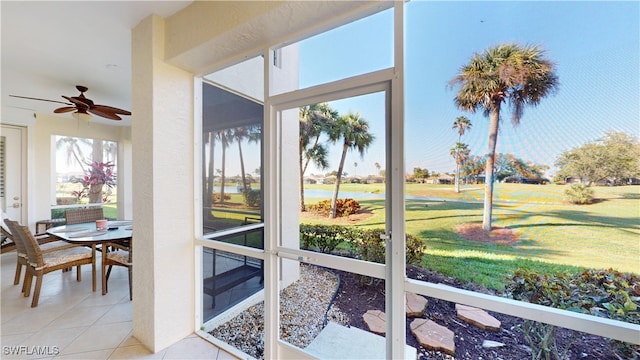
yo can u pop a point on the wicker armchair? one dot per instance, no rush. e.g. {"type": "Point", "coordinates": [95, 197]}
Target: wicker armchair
{"type": "Point", "coordinates": [40, 263]}
{"type": "Point", "coordinates": [47, 244]}
{"type": "Point", "coordinates": [118, 254]}
{"type": "Point", "coordinates": [8, 243]}
{"type": "Point", "coordinates": [78, 216]}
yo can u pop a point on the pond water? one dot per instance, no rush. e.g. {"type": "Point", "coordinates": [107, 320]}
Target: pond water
{"type": "Point", "coordinates": [357, 195]}
{"type": "Point", "coordinates": [328, 194]}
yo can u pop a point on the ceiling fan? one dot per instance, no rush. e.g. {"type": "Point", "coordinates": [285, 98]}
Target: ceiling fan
{"type": "Point", "coordinates": [82, 106]}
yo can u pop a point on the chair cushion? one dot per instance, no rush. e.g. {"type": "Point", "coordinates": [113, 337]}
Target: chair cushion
{"type": "Point", "coordinates": [64, 256]}
{"type": "Point", "coordinates": [120, 256]}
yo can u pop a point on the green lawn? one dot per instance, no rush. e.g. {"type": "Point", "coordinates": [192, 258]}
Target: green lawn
{"type": "Point", "coordinates": [555, 235]}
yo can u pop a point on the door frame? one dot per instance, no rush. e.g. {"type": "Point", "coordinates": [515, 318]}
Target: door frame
{"type": "Point", "coordinates": [379, 81]}
{"type": "Point", "coordinates": [22, 163]}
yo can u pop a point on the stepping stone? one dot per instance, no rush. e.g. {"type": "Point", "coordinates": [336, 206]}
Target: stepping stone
{"type": "Point", "coordinates": [433, 336]}
{"type": "Point", "coordinates": [376, 321]}
{"type": "Point", "coordinates": [477, 317]}
{"type": "Point", "coordinates": [337, 342]}
{"type": "Point", "coordinates": [415, 304]}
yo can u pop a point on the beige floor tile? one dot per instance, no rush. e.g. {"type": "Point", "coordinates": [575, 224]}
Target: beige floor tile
{"type": "Point", "coordinates": [83, 324]}
{"type": "Point", "coordinates": [113, 297]}
{"type": "Point", "coordinates": [29, 321]}
{"type": "Point", "coordinates": [192, 348]}
{"type": "Point", "coordinates": [89, 355]}
{"type": "Point", "coordinates": [138, 351]}
{"type": "Point", "coordinates": [223, 355]}
{"type": "Point", "coordinates": [52, 342]}
{"type": "Point", "coordinates": [80, 316]}
{"type": "Point", "coordinates": [14, 340]}
{"type": "Point", "coordinates": [99, 337]}
{"type": "Point", "coordinates": [130, 340]}
{"type": "Point", "coordinates": [117, 313]}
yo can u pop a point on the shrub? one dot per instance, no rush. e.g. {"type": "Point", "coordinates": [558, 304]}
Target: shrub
{"type": "Point", "coordinates": [325, 238]}
{"type": "Point", "coordinates": [605, 293]}
{"type": "Point", "coordinates": [216, 197]}
{"type": "Point", "coordinates": [251, 197]}
{"type": "Point", "coordinates": [579, 194]}
{"type": "Point", "coordinates": [344, 207]}
{"type": "Point", "coordinates": [365, 243]}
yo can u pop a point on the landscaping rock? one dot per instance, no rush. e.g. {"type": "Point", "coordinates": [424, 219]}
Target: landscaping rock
{"type": "Point", "coordinates": [489, 344]}
{"type": "Point", "coordinates": [477, 317]}
{"type": "Point", "coordinates": [376, 321]}
{"type": "Point", "coordinates": [433, 336]}
{"type": "Point", "coordinates": [415, 304]}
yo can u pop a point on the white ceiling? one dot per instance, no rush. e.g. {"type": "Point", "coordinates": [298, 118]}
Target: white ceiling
{"type": "Point", "coordinates": [49, 47]}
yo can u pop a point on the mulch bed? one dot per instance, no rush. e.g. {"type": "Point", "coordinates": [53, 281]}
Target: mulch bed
{"type": "Point", "coordinates": [355, 299]}
{"type": "Point", "coordinates": [497, 235]}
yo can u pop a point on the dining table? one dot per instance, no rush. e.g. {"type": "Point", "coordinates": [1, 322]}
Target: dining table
{"type": "Point", "coordinates": [87, 234]}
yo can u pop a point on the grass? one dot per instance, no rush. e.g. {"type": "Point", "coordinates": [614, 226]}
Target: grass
{"type": "Point", "coordinates": [554, 235]}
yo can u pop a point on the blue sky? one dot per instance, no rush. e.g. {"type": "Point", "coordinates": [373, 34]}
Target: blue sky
{"type": "Point", "coordinates": [595, 46]}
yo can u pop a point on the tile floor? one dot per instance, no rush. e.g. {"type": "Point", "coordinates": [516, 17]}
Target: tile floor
{"type": "Point", "coordinates": [72, 322]}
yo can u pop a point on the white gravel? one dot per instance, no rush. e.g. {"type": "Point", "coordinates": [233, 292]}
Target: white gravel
{"type": "Point", "coordinates": [302, 309]}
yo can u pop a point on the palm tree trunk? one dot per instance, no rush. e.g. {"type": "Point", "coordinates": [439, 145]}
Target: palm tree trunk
{"type": "Point", "coordinates": [301, 171]}
{"type": "Point", "coordinates": [209, 190]}
{"type": "Point", "coordinates": [457, 178]}
{"type": "Point", "coordinates": [244, 181]}
{"type": "Point", "coordinates": [334, 200]}
{"type": "Point", "coordinates": [95, 190]}
{"type": "Point", "coordinates": [222, 175]}
{"type": "Point", "coordinates": [491, 156]}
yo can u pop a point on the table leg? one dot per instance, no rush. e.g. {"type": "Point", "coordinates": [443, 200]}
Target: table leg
{"type": "Point", "coordinates": [93, 267]}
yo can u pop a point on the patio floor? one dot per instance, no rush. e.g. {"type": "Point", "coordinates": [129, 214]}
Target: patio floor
{"type": "Point", "coordinates": [72, 322]}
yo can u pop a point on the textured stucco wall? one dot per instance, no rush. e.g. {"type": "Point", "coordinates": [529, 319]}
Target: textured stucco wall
{"type": "Point", "coordinates": [163, 192]}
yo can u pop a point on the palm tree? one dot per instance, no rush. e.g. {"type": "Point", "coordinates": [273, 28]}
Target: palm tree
{"type": "Point", "coordinates": [462, 124]}
{"type": "Point", "coordinates": [225, 139]}
{"type": "Point", "coordinates": [208, 138]}
{"type": "Point", "coordinates": [517, 75]}
{"type": "Point", "coordinates": [460, 152]}
{"type": "Point", "coordinates": [378, 167]}
{"type": "Point", "coordinates": [239, 134]}
{"type": "Point", "coordinates": [73, 149]}
{"type": "Point", "coordinates": [354, 131]}
{"type": "Point", "coordinates": [315, 120]}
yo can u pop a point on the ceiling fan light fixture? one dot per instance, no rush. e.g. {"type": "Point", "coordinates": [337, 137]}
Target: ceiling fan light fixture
{"type": "Point", "coordinates": [81, 115]}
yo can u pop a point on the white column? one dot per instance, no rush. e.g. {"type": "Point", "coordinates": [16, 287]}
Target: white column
{"type": "Point", "coordinates": [163, 192]}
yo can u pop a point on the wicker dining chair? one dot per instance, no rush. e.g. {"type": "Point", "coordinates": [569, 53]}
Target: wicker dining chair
{"type": "Point", "coordinates": [47, 244]}
{"type": "Point", "coordinates": [117, 254]}
{"type": "Point", "coordinates": [40, 263]}
{"type": "Point", "coordinates": [77, 216]}
{"type": "Point", "coordinates": [8, 243]}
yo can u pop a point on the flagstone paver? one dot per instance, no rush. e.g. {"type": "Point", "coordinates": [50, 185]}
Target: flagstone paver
{"type": "Point", "coordinates": [376, 321]}
{"type": "Point", "coordinates": [477, 317]}
{"type": "Point", "coordinates": [415, 304]}
{"type": "Point", "coordinates": [433, 336]}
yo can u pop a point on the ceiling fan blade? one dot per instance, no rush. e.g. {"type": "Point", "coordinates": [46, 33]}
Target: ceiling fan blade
{"type": "Point", "coordinates": [32, 98]}
{"type": "Point", "coordinates": [65, 109]}
{"type": "Point", "coordinates": [79, 103]}
{"type": "Point", "coordinates": [111, 109]}
{"type": "Point", "coordinates": [105, 114]}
